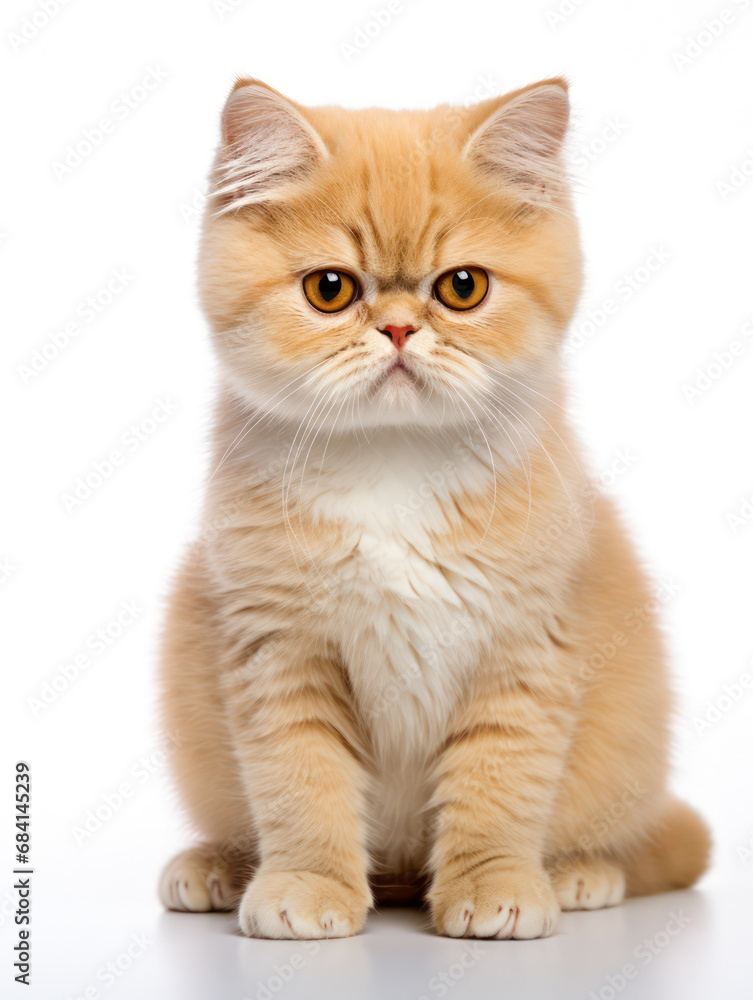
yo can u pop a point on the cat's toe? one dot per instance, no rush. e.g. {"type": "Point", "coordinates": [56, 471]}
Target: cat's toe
{"type": "Point", "coordinates": [191, 883]}
{"type": "Point", "coordinates": [488, 903]}
{"type": "Point", "coordinates": [300, 904]}
{"type": "Point", "coordinates": [590, 884]}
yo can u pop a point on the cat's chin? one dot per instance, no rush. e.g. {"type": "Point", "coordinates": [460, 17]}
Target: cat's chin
{"type": "Point", "coordinates": [404, 407]}
{"type": "Point", "coordinates": [397, 386]}
{"type": "Point", "coordinates": [398, 378]}
{"type": "Point", "coordinates": [403, 400]}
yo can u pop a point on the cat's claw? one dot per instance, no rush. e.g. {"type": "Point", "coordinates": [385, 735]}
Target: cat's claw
{"type": "Point", "coordinates": [495, 904]}
{"type": "Point", "coordinates": [300, 904]}
{"type": "Point", "coordinates": [190, 883]}
{"type": "Point", "coordinates": [589, 884]}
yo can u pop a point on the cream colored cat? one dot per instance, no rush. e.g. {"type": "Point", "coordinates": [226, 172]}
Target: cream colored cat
{"type": "Point", "coordinates": [411, 644]}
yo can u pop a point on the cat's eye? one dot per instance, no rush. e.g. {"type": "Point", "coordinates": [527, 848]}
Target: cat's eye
{"type": "Point", "coordinates": [463, 288]}
{"type": "Point", "coordinates": [329, 291]}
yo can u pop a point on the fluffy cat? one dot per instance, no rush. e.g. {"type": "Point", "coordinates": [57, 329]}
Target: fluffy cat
{"type": "Point", "coordinates": [411, 648]}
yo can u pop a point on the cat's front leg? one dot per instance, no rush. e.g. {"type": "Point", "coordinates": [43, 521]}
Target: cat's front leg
{"type": "Point", "coordinates": [497, 779]}
{"type": "Point", "coordinates": [300, 758]}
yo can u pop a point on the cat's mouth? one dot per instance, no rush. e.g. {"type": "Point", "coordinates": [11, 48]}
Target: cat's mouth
{"type": "Point", "coordinates": [397, 372]}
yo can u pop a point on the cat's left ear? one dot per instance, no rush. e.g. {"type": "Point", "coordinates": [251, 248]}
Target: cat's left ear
{"type": "Point", "coordinates": [520, 138]}
{"type": "Point", "coordinates": [267, 144]}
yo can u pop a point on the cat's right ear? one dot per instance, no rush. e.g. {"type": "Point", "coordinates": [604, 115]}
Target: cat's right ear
{"type": "Point", "coordinates": [520, 138]}
{"type": "Point", "coordinates": [266, 145]}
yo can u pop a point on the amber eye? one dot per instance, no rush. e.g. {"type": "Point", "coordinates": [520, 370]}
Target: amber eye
{"type": "Point", "coordinates": [462, 289]}
{"type": "Point", "coordinates": [329, 291]}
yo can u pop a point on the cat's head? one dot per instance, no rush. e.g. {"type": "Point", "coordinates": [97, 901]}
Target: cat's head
{"type": "Point", "coordinates": [364, 268]}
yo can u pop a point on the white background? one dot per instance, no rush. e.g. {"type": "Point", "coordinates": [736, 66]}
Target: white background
{"type": "Point", "coordinates": [662, 148]}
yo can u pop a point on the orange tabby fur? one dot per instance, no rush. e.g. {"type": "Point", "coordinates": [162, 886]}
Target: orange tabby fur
{"type": "Point", "coordinates": [404, 647]}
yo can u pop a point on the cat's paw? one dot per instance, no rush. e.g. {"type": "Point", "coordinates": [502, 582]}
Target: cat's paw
{"type": "Point", "coordinates": [196, 882]}
{"type": "Point", "coordinates": [301, 904]}
{"type": "Point", "coordinates": [495, 903]}
{"type": "Point", "coordinates": [589, 884]}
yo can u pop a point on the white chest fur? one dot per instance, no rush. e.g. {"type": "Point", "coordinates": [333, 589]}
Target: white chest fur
{"type": "Point", "coordinates": [410, 616]}
{"type": "Point", "coordinates": [411, 628]}
{"type": "Point", "coordinates": [410, 620]}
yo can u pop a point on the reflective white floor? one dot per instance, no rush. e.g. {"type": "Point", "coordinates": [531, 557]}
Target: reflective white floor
{"type": "Point", "coordinates": [682, 945]}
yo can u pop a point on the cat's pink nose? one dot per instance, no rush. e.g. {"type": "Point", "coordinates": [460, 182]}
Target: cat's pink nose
{"type": "Point", "coordinates": [399, 334]}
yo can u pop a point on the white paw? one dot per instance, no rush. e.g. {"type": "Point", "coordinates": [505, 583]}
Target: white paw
{"type": "Point", "coordinates": [300, 904]}
{"type": "Point", "coordinates": [495, 904]}
{"type": "Point", "coordinates": [590, 885]}
{"type": "Point", "coordinates": [190, 882]}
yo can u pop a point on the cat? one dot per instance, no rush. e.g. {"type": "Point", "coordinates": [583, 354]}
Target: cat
{"type": "Point", "coordinates": [402, 655]}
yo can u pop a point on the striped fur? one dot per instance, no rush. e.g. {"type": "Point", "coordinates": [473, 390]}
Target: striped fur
{"type": "Point", "coordinates": [411, 645]}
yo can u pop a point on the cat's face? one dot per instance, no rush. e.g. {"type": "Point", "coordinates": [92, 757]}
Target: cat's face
{"type": "Point", "coordinates": [371, 268]}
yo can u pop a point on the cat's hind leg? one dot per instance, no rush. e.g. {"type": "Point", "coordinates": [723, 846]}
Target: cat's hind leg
{"type": "Point", "coordinates": [205, 877]}
{"type": "Point", "coordinates": [673, 855]}
{"type": "Point", "coordinates": [202, 879]}
{"type": "Point", "coordinates": [588, 883]}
